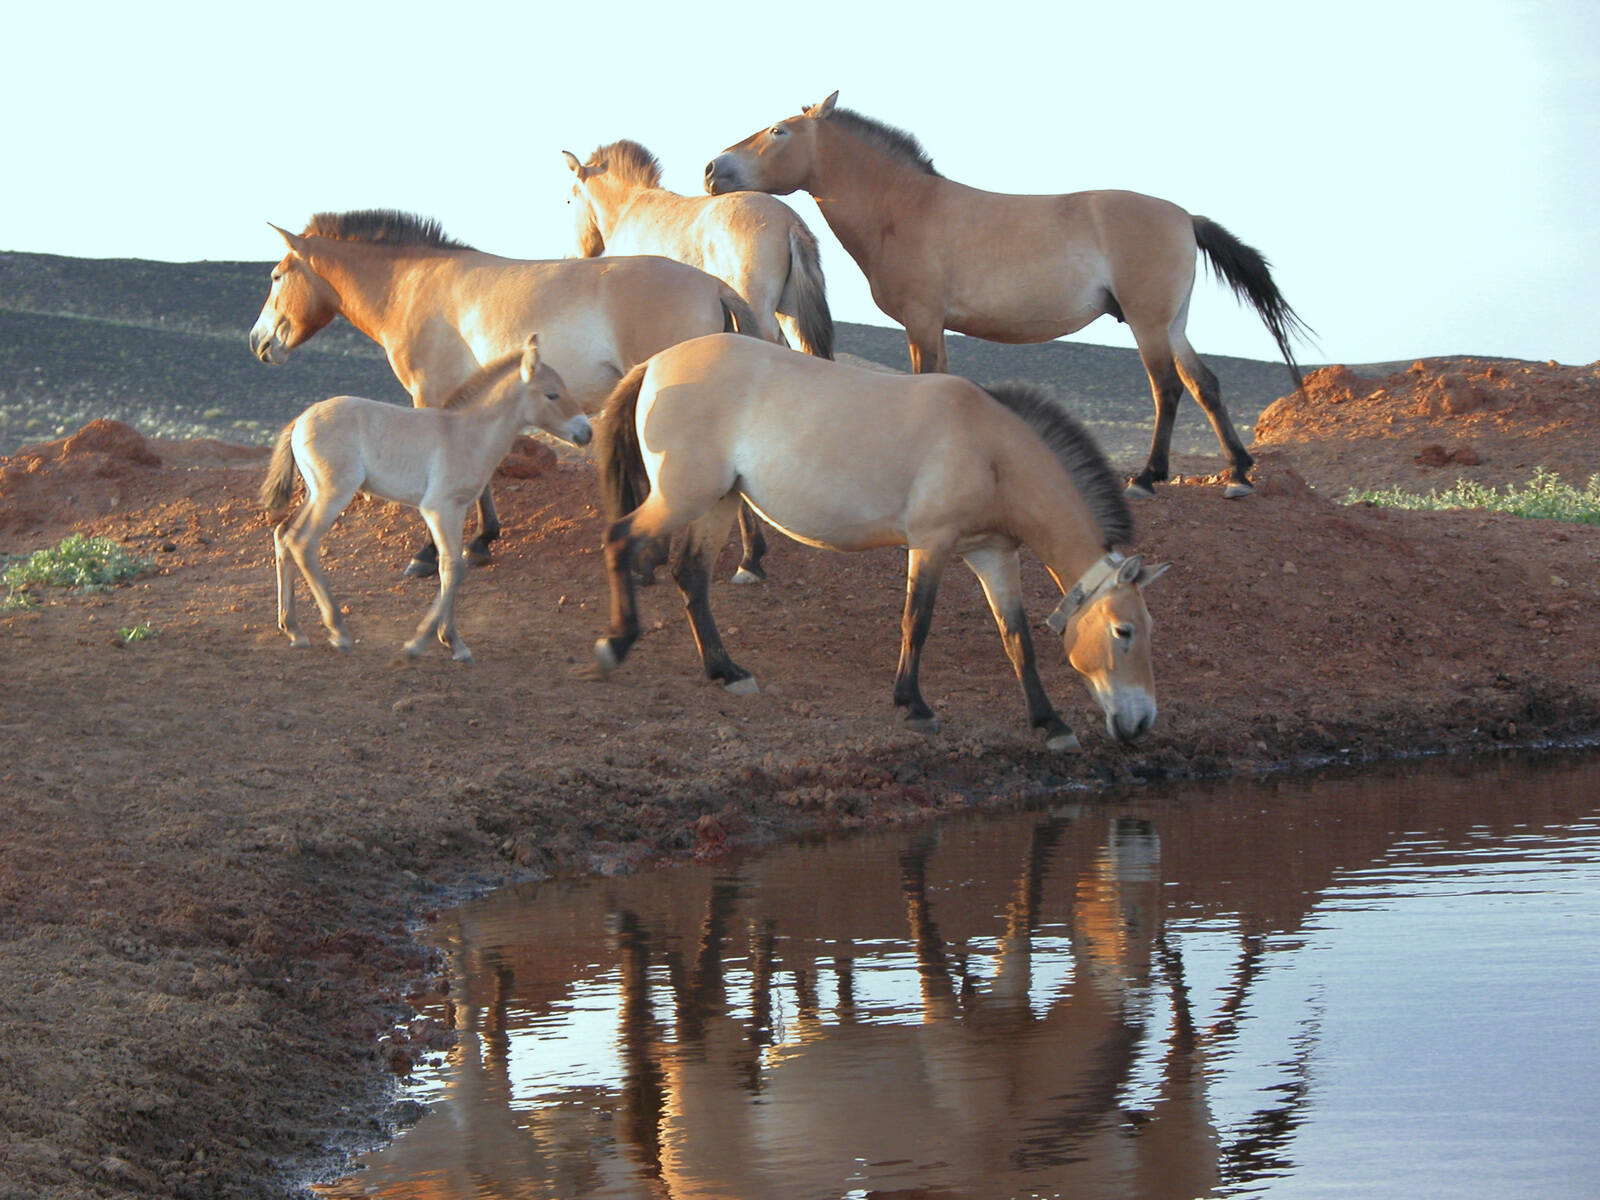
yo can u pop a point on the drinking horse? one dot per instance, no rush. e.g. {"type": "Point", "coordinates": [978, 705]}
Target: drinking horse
{"type": "Point", "coordinates": [441, 310]}
{"type": "Point", "coordinates": [1009, 268]}
{"type": "Point", "coordinates": [438, 460]}
{"type": "Point", "coordinates": [753, 241]}
{"type": "Point", "coordinates": [850, 459]}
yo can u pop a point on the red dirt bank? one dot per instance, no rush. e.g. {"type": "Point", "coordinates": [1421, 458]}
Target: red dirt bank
{"type": "Point", "coordinates": [213, 844]}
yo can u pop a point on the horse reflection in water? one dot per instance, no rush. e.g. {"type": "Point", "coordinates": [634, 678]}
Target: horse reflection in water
{"type": "Point", "coordinates": [755, 1060]}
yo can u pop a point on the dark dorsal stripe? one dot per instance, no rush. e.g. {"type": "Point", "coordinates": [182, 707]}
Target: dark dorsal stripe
{"type": "Point", "coordinates": [1077, 451]}
{"type": "Point", "coordinates": [385, 226]}
{"type": "Point", "coordinates": [896, 143]}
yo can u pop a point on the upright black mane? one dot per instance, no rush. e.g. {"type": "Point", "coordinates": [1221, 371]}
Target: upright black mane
{"type": "Point", "coordinates": [897, 143]}
{"type": "Point", "coordinates": [629, 161]}
{"type": "Point", "coordinates": [1077, 451]}
{"type": "Point", "coordinates": [385, 226]}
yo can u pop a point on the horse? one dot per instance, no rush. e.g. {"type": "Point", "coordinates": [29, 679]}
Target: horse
{"type": "Point", "coordinates": [441, 310]}
{"type": "Point", "coordinates": [752, 241]}
{"type": "Point", "coordinates": [438, 460]}
{"type": "Point", "coordinates": [931, 462]}
{"type": "Point", "coordinates": [1011, 268]}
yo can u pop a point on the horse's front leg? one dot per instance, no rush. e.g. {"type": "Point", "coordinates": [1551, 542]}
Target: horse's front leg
{"type": "Point", "coordinates": [999, 573]}
{"type": "Point", "coordinates": [922, 589]}
{"type": "Point", "coordinates": [441, 616]}
{"type": "Point", "coordinates": [754, 541]}
{"type": "Point", "coordinates": [925, 340]}
{"type": "Point", "coordinates": [488, 529]}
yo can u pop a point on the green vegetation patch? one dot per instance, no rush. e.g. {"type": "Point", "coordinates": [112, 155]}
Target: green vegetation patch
{"type": "Point", "coordinates": [81, 564]}
{"type": "Point", "coordinates": [1545, 496]}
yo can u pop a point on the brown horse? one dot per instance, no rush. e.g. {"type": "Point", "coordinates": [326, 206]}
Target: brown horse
{"type": "Point", "coordinates": [940, 255]}
{"type": "Point", "coordinates": [441, 310]}
{"type": "Point", "coordinates": [438, 460]}
{"type": "Point", "coordinates": [752, 241]}
{"type": "Point", "coordinates": [940, 466]}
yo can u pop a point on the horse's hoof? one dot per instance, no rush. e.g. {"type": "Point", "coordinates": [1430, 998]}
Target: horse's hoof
{"type": "Point", "coordinates": [1139, 491]}
{"type": "Point", "coordinates": [746, 575]}
{"type": "Point", "coordinates": [605, 661]}
{"type": "Point", "coordinates": [463, 655]}
{"type": "Point", "coordinates": [478, 558]}
{"type": "Point", "coordinates": [421, 568]}
{"type": "Point", "coordinates": [1064, 743]}
{"type": "Point", "coordinates": [299, 641]}
{"type": "Point", "coordinates": [1235, 490]}
{"type": "Point", "coordinates": [923, 725]}
{"type": "Point", "coordinates": [341, 644]}
{"type": "Point", "coordinates": [743, 687]}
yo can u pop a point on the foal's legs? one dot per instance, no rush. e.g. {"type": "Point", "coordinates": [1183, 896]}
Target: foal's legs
{"type": "Point", "coordinates": [998, 571]}
{"type": "Point", "coordinates": [445, 526]}
{"type": "Point", "coordinates": [922, 587]}
{"type": "Point", "coordinates": [302, 534]}
{"type": "Point", "coordinates": [425, 561]}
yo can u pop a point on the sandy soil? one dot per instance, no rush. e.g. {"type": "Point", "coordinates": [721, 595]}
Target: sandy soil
{"type": "Point", "coordinates": [214, 846]}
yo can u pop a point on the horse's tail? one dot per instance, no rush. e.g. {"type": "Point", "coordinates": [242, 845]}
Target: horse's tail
{"type": "Point", "coordinates": [812, 319]}
{"type": "Point", "coordinates": [1246, 270]}
{"type": "Point", "coordinates": [277, 489]}
{"type": "Point", "coordinates": [737, 313]}
{"type": "Point", "coordinates": [624, 483]}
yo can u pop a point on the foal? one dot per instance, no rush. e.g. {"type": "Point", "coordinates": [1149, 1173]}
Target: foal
{"type": "Point", "coordinates": [438, 460]}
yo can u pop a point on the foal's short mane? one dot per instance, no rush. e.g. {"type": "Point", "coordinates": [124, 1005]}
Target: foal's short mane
{"type": "Point", "coordinates": [385, 226]}
{"type": "Point", "coordinates": [477, 386]}
{"type": "Point", "coordinates": [896, 143]}
{"type": "Point", "coordinates": [1077, 451]}
{"type": "Point", "coordinates": [629, 162]}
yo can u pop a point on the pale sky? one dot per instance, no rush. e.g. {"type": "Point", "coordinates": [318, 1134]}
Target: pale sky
{"type": "Point", "coordinates": [1422, 175]}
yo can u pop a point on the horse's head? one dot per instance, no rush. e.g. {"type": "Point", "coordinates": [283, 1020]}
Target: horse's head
{"type": "Point", "coordinates": [778, 159]}
{"type": "Point", "coordinates": [300, 303]}
{"type": "Point", "coordinates": [545, 401]}
{"type": "Point", "coordinates": [591, 242]}
{"type": "Point", "coordinates": [1105, 630]}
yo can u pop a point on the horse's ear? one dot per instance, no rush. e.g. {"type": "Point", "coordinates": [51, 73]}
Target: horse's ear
{"type": "Point", "coordinates": [572, 161]}
{"type": "Point", "coordinates": [530, 357]}
{"type": "Point", "coordinates": [297, 244]}
{"type": "Point", "coordinates": [1150, 574]}
{"type": "Point", "coordinates": [823, 109]}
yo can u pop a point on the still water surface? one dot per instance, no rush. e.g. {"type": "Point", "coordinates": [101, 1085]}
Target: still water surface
{"type": "Point", "coordinates": [1373, 987]}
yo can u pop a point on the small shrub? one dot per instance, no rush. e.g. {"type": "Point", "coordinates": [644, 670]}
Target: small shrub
{"type": "Point", "coordinates": [1545, 497]}
{"type": "Point", "coordinates": [83, 564]}
{"type": "Point", "coordinates": [142, 632]}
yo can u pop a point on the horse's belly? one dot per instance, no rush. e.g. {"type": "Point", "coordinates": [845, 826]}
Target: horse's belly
{"type": "Point", "coordinates": [828, 526]}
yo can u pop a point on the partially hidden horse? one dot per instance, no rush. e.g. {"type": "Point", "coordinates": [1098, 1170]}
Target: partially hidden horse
{"type": "Point", "coordinates": [850, 459]}
{"type": "Point", "coordinates": [438, 460]}
{"type": "Point", "coordinates": [753, 241]}
{"type": "Point", "coordinates": [441, 310]}
{"type": "Point", "coordinates": [1012, 268]}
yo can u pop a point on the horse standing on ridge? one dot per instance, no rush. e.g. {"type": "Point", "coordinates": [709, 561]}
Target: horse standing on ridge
{"type": "Point", "coordinates": [1008, 268]}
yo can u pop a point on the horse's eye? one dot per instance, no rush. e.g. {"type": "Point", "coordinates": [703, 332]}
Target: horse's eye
{"type": "Point", "coordinates": [778, 131]}
{"type": "Point", "coordinates": [1123, 633]}
{"type": "Point", "coordinates": [552, 395]}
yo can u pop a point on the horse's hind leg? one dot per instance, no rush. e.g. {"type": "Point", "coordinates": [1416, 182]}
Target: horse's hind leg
{"type": "Point", "coordinates": [692, 573]}
{"type": "Point", "coordinates": [303, 534]}
{"type": "Point", "coordinates": [1202, 385]}
{"type": "Point", "coordinates": [754, 541]}
{"type": "Point", "coordinates": [488, 529]}
{"type": "Point", "coordinates": [1166, 388]}
{"type": "Point", "coordinates": [286, 618]}
{"type": "Point", "coordinates": [997, 570]}
{"type": "Point", "coordinates": [441, 616]}
{"type": "Point", "coordinates": [924, 567]}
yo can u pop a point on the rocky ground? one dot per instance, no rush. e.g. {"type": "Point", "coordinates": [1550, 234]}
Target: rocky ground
{"type": "Point", "coordinates": [214, 846]}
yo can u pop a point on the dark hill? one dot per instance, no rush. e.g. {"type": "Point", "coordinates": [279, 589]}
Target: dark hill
{"type": "Point", "coordinates": [162, 346]}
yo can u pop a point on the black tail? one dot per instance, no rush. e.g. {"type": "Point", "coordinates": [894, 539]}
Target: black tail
{"type": "Point", "coordinates": [623, 481]}
{"type": "Point", "coordinates": [1246, 270]}
{"type": "Point", "coordinates": [813, 319]}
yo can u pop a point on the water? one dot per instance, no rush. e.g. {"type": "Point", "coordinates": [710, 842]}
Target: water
{"type": "Point", "coordinates": [1372, 987]}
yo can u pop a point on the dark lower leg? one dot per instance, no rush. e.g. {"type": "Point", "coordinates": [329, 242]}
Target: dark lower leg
{"type": "Point", "coordinates": [921, 592]}
{"type": "Point", "coordinates": [754, 541]}
{"type": "Point", "coordinates": [488, 530]}
{"type": "Point", "coordinates": [1167, 389]}
{"type": "Point", "coordinates": [692, 573]}
{"type": "Point", "coordinates": [1208, 395]}
{"type": "Point", "coordinates": [1042, 717]}
{"type": "Point", "coordinates": [619, 549]}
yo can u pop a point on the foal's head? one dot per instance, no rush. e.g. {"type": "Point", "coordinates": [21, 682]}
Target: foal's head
{"type": "Point", "coordinates": [603, 185]}
{"type": "Point", "coordinates": [537, 390]}
{"type": "Point", "coordinates": [1105, 630]}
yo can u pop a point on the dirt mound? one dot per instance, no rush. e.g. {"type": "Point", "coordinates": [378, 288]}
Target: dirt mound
{"type": "Point", "coordinates": [1490, 421]}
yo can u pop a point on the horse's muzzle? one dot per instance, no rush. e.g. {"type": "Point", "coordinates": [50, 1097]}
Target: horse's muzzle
{"type": "Point", "coordinates": [719, 178]}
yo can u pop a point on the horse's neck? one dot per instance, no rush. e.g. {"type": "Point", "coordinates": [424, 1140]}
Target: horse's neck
{"type": "Point", "coordinates": [1046, 512]}
{"type": "Point", "coordinates": [856, 187]}
{"type": "Point", "coordinates": [629, 201]}
{"type": "Point", "coordinates": [363, 277]}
